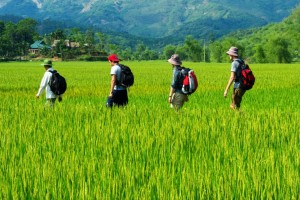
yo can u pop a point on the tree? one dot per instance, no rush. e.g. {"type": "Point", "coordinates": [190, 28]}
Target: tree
{"type": "Point", "coordinates": [75, 35]}
{"type": "Point", "coordinates": [168, 51]}
{"type": "Point", "coordinates": [126, 54]}
{"type": "Point", "coordinates": [259, 55]}
{"type": "Point", "coordinates": [102, 41]}
{"type": "Point", "coordinates": [216, 51]}
{"type": "Point", "coordinates": [182, 52]}
{"type": "Point", "coordinates": [25, 34]}
{"type": "Point", "coordinates": [8, 44]}
{"type": "Point", "coordinates": [2, 27]}
{"type": "Point", "coordinates": [139, 53]}
{"type": "Point", "coordinates": [194, 50]}
{"type": "Point", "coordinates": [58, 35]}
{"type": "Point", "coordinates": [278, 51]}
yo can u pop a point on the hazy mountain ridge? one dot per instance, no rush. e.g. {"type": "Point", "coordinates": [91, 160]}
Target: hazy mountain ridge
{"type": "Point", "coordinates": [155, 19]}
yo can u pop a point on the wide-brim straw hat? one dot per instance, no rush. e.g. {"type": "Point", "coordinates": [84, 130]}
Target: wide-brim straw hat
{"type": "Point", "coordinates": [233, 51]}
{"type": "Point", "coordinates": [47, 63]}
{"type": "Point", "coordinates": [175, 60]}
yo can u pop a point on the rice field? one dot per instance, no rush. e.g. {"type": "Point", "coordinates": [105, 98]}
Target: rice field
{"type": "Point", "coordinates": [82, 150]}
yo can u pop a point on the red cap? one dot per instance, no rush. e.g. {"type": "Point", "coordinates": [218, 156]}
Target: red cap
{"type": "Point", "coordinates": [113, 57]}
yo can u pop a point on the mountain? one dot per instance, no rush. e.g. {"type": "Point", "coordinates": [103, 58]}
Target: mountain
{"type": "Point", "coordinates": [274, 43]}
{"type": "Point", "coordinates": [158, 19]}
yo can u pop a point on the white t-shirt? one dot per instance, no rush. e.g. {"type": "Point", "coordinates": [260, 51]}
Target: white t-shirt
{"type": "Point", "coordinates": [45, 85]}
{"type": "Point", "coordinates": [116, 70]}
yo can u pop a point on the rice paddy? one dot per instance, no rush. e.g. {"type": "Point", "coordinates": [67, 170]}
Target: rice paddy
{"type": "Point", "coordinates": [82, 150]}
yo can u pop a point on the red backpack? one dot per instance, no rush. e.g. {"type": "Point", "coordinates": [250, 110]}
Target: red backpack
{"type": "Point", "coordinates": [190, 82]}
{"type": "Point", "coordinates": [246, 78]}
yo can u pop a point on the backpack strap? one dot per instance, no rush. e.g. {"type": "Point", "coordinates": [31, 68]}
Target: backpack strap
{"type": "Point", "coordinates": [118, 82]}
{"type": "Point", "coordinates": [51, 71]}
{"type": "Point", "coordinates": [241, 63]}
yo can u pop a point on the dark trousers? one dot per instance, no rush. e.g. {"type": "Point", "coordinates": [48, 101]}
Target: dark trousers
{"type": "Point", "coordinates": [119, 98]}
{"type": "Point", "coordinates": [237, 97]}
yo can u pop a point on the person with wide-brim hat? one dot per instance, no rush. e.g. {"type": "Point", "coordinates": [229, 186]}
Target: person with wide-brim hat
{"type": "Point", "coordinates": [44, 85]}
{"type": "Point", "coordinates": [238, 93]}
{"type": "Point", "coordinates": [176, 97]}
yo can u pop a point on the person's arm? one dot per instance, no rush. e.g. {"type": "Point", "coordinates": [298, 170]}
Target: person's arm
{"type": "Point", "coordinates": [173, 85]}
{"type": "Point", "coordinates": [43, 85]}
{"type": "Point", "coordinates": [171, 94]}
{"type": "Point", "coordinates": [112, 84]}
{"type": "Point", "coordinates": [230, 81]}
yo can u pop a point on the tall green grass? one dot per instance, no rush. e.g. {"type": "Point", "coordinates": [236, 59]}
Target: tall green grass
{"type": "Point", "coordinates": [81, 150]}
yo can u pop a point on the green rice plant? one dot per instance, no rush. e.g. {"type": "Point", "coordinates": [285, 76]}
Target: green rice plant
{"type": "Point", "coordinates": [146, 150]}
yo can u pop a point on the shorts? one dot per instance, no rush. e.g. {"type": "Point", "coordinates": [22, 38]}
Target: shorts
{"type": "Point", "coordinates": [178, 100]}
{"type": "Point", "coordinates": [50, 102]}
{"type": "Point", "coordinates": [119, 98]}
{"type": "Point", "coordinates": [237, 96]}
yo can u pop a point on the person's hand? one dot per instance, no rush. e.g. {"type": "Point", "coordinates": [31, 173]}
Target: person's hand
{"type": "Point", "coordinates": [170, 99]}
{"type": "Point", "coordinates": [37, 96]}
{"type": "Point", "coordinates": [225, 93]}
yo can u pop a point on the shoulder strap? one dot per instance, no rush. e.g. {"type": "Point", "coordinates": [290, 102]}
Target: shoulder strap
{"type": "Point", "coordinates": [241, 63]}
{"type": "Point", "coordinates": [52, 71]}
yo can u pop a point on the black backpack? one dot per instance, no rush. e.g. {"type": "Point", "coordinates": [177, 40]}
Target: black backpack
{"type": "Point", "coordinates": [246, 77]}
{"type": "Point", "coordinates": [127, 78]}
{"type": "Point", "coordinates": [58, 84]}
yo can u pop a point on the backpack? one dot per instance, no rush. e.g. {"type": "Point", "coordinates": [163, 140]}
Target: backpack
{"type": "Point", "coordinates": [58, 84]}
{"type": "Point", "coordinates": [246, 76]}
{"type": "Point", "coordinates": [189, 81]}
{"type": "Point", "coordinates": [127, 78]}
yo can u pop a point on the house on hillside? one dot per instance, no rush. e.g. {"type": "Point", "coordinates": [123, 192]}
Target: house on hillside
{"type": "Point", "coordinates": [37, 46]}
{"type": "Point", "coordinates": [67, 43]}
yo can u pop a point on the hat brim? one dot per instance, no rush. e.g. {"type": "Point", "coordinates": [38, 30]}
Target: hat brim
{"type": "Point", "coordinates": [114, 60]}
{"type": "Point", "coordinates": [231, 53]}
{"type": "Point", "coordinates": [174, 62]}
{"type": "Point", "coordinates": [46, 65]}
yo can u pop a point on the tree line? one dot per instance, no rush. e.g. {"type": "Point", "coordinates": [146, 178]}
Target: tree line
{"type": "Point", "coordinates": [16, 38]}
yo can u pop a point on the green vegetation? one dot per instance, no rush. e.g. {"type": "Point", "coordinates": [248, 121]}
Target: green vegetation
{"type": "Point", "coordinates": [274, 43]}
{"type": "Point", "coordinates": [81, 150]}
{"type": "Point", "coordinates": [147, 19]}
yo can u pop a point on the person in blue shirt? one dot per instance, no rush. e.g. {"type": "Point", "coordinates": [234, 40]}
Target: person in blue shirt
{"type": "Point", "coordinates": [176, 97]}
{"type": "Point", "coordinates": [238, 93]}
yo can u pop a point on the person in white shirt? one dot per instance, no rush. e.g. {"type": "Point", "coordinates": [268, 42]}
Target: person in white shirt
{"type": "Point", "coordinates": [50, 96]}
{"type": "Point", "coordinates": [118, 94]}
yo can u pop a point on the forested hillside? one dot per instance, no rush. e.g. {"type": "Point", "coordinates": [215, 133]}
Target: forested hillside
{"type": "Point", "coordinates": [159, 19]}
{"type": "Point", "coordinates": [277, 42]}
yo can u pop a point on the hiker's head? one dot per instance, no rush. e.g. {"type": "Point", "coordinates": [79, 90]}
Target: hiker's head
{"type": "Point", "coordinates": [233, 51]}
{"type": "Point", "coordinates": [175, 60]}
{"type": "Point", "coordinates": [113, 58]}
{"type": "Point", "coordinates": [47, 63]}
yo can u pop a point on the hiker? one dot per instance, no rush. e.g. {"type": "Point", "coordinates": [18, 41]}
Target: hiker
{"type": "Point", "coordinates": [50, 96]}
{"type": "Point", "coordinates": [176, 96]}
{"type": "Point", "coordinates": [118, 93]}
{"type": "Point", "coordinates": [234, 78]}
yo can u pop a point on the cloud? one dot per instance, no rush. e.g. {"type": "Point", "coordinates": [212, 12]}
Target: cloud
{"type": "Point", "coordinates": [3, 3]}
{"type": "Point", "coordinates": [87, 6]}
{"type": "Point", "coordinates": [37, 3]}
